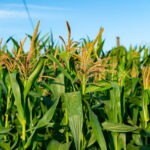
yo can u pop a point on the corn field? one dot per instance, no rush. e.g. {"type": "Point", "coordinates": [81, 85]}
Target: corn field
{"type": "Point", "coordinates": [75, 96]}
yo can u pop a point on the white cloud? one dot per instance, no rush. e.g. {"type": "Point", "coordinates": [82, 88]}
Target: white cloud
{"type": "Point", "coordinates": [18, 11]}
{"type": "Point", "coordinates": [12, 14]}
{"type": "Point", "coordinates": [31, 6]}
{"type": "Point", "coordinates": [48, 8]}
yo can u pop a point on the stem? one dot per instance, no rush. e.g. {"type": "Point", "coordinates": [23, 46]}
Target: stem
{"type": "Point", "coordinates": [67, 134]}
{"type": "Point", "coordinates": [145, 108]}
{"type": "Point", "coordinates": [7, 105]}
{"type": "Point", "coordinates": [24, 99]}
{"type": "Point", "coordinates": [24, 121]}
{"type": "Point", "coordinates": [6, 115]}
{"type": "Point", "coordinates": [24, 130]}
{"type": "Point", "coordinates": [73, 87]}
{"type": "Point", "coordinates": [6, 120]}
{"type": "Point", "coordinates": [116, 141]}
{"type": "Point", "coordinates": [6, 124]}
{"type": "Point", "coordinates": [83, 93]}
{"type": "Point", "coordinates": [82, 140]}
{"type": "Point", "coordinates": [83, 85]}
{"type": "Point", "coordinates": [123, 103]}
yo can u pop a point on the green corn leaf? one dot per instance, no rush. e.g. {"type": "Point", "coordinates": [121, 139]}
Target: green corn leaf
{"type": "Point", "coordinates": [90, 139]}
{"type": "Point", "coordinates": [57, 87]}
{"type": "Point", "coordinates": [3, 87]}
{"type": "Point", "coordinates": [8, 83]}
{"type": "Point", "coordinates": [137, 139]}
{"type": "Point", "coordinates": [33, 76]}
{"type": "Point", "coordinates": [118, 127]}
{"type": "Point", "coordinates": [145, 104]}
{"type": "Point", "coordinates": [15, 138]}
{"type": "Point", "coordinates": [4, 145]}
{"type": "Point", "coordinates": [60, 67]}
{"type": "Point", "coordinates": [44, 36]}
{"type": "Point", "coordinates": [34, 147]}
{"type": "Point", "coordinates": [17, 94]}
{"type": "Point", "coordinates": [43, 44]}
{"type": "Point", "coordinates": [14, 42]}
{"type": "Point", "coordinates": [136, 100]}
{"type": "Point", "coordinates": [29, 141]}
{"type": "Point", "coordinates": [122, 141]}
{"type": "Point", "coordinates": [97, 130]}
{"type": "Point", "coordinates": [133, 147]}
{"type": "Point", "coordinates": [55, 145]}
{"type": "Point", "coordinates": [47, 116]}
{"type": "Point", "coordinates": [75, 115]}
{"type": "Point", "coordinates": [65, 57]}
{"type": "Point", "coordinates": [115, 102]}
{"type": "Point", "coordinates": [103, 85]}
{"type": "Point", "coordinates": [44, 121]}
{"type": "Point", "coordinates": [4, 130]}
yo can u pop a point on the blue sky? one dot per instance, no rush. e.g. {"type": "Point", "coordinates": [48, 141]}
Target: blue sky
{"type": "Point", "coordinates": [128, 19]}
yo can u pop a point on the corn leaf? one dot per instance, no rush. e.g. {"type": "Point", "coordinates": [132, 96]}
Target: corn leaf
{"type": "Point", "coordinates": [115, 102]}
{"type": "Point", "coordinates": [97, 130]}
{"type": "Point", "coordinates": [57, 87]}
{"type": "Point", "coordinates": [101, 87]}
{"type": "Point", "coordinates": [17, 94]}
{"type": "Point", "coordinates": [33, 77]}
{"type": "Point", "coordinates": [55, 145]}
{"type": "Point", "coordinates": [118, 127]}
{"type": "Point", "coordinates": [133, 147]}
{"type": "Point", "coordinates": [4, 130]}
{"type": "Point", "coordinates": [60, 67]}
{"type": "Point", "coordinates": [47, 116]}
{"type": "Point", "coordinates": [43, 122]}
{"type": "Point", "coordinates": [75, 115]}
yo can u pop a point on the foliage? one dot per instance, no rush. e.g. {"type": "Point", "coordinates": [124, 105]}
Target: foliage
{"type": "Point", "coordinates": [74, 96]}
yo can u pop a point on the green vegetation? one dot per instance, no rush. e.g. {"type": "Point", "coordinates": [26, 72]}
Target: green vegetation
{"type": "Point", "coordinates": [75, 96]}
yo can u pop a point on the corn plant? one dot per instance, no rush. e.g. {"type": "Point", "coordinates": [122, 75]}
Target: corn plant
{"type": "Point", "coordinates": [73, 96]}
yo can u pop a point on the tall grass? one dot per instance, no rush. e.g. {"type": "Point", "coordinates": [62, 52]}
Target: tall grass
{"type": "Point", "coordinates": [74, 96]}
